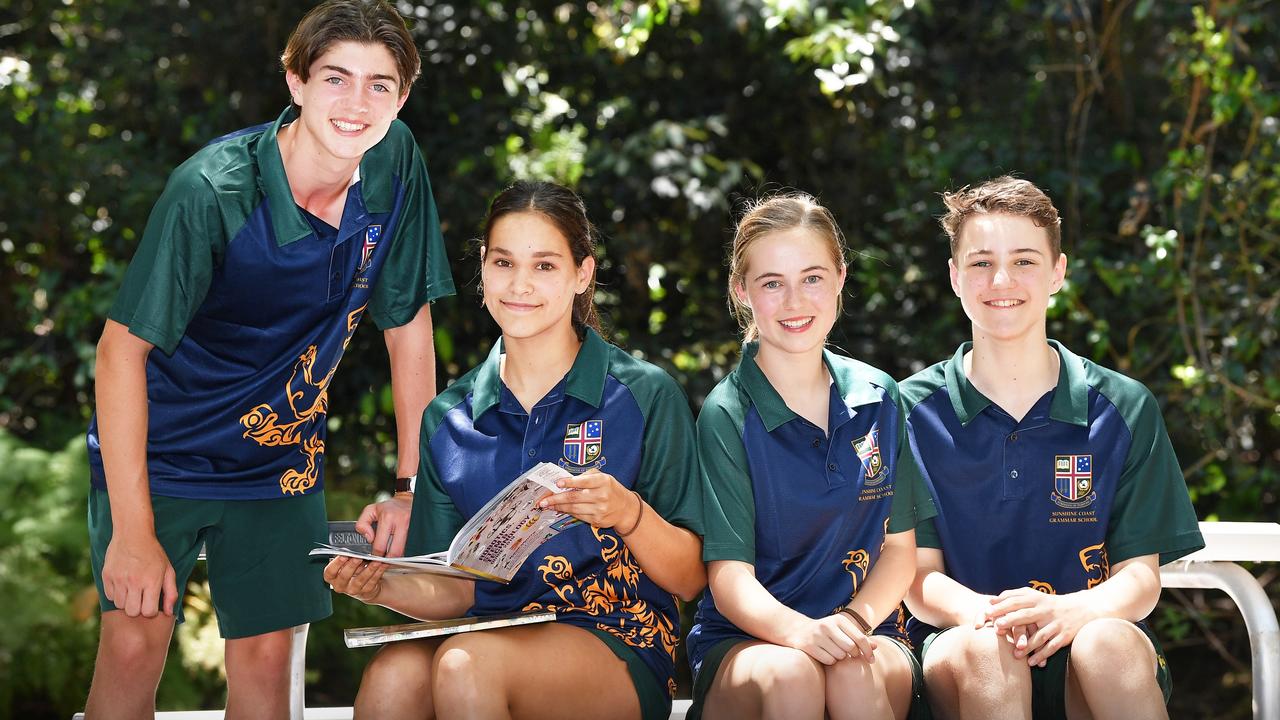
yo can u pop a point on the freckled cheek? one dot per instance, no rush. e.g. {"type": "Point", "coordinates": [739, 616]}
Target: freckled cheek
{"type": "Point", "coordinates": [763, 305]}
{"type": "Point", "coordinates": [821, 297]}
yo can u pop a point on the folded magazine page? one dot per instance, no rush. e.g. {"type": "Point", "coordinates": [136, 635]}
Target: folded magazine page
{"type": "Point", "coordinates": [366, 636]}
{"type": "Point", "coordinates": [434, 563]}
{"type": "Point", "coordinates": [496, 541]}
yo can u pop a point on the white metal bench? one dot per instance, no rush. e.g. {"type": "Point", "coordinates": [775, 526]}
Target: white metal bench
{"type": "Point", "coordinates": [1214, 567]}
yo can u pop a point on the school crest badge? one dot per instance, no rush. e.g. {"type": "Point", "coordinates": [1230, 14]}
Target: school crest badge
{"type": "Point", "coordinates": [583, 445]}
{"type": "Point", "coordinates": [868, 449]}
{"type": "Point", "coordinates": [1073, 481]}
{"type": "Point", "coordinates": [371, 238]}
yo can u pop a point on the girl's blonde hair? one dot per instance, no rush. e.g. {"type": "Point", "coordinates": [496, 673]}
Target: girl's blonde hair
{"type": "Point", "coordinates": [778, 213]}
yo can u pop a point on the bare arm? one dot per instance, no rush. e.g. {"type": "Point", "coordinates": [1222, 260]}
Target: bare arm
{"type": "Point", "coordinates": [411, 348]}
{"type": "Point", "coordinates": [1129, 594]}
{"type": "Point", "coordinates": [136, 575]}
{"type": "Point", "coordinates": [671, 556]}
{"type": "Point", "coordinates": [939, 600]}
{"type": "Point", "coordinates": [418, 595]}
{"type": "Point", "coordinates": [888, 581]}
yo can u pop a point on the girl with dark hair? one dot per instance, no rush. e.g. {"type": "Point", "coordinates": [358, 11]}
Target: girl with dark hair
{"type": "Point", "coordinates": [551, 390]}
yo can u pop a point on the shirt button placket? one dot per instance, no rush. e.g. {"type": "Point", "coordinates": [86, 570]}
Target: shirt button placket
{"type": "Point", "coordinates": [1012, 463]}
{"type": "Point", "coordinates": [533, 436]}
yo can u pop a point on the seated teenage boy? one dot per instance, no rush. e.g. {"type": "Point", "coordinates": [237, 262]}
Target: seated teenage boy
{"type": "Point", "coordinates": [1057, 489]}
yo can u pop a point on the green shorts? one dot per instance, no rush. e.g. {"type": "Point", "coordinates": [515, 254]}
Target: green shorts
{"type": "Point", "coordinates": [715, 657]}
{"type": "Point", "coordinates": [655, 701]}
{"type": "Point", "coordinates": [1049, 683]}
{"type": "Point", "coordinates": [260, 576]}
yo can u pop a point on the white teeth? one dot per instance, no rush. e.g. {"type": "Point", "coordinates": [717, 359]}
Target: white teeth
{"type": "Point", "coordinates": [795, 324]}
{"type": "Point", "coordinates": [1004, 303]}
{"type": "Point", "coordinates": [347, 127]}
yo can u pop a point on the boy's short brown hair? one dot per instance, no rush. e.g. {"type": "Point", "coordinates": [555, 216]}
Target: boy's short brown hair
{"type": "Point", "coordinates": [1005, 194]}
{"type": "Point", "coordinates": [373, 22]}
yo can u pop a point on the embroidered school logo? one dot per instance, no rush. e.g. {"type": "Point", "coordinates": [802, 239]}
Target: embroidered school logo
{"type": "Point", "coordinates": [868, 449]}
{"type": "Point", "coordinates": [1073, 481]}
{"type": "Point", "coordinates": [371, 237]}
{"type": "Point", "coordinates": [583, 445]}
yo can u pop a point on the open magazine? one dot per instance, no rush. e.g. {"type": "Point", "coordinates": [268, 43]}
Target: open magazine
{"type": "Point", "coordinates": [366, 636]}
{"type": "Point", "coordinates": [495, 542]}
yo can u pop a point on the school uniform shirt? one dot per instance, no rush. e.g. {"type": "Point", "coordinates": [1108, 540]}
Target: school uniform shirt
{"type": "Point", "coordinates": [611, 412]}
{"type": "Point", "coordinates": [1087, 479]}
{"type": "Point", "coordinates": [809, 509]}
{"type": "Point", "coordinates": [251, 301]}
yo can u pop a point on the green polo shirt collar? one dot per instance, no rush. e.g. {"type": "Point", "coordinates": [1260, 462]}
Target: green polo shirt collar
{"type": "Point", "coordinates": [773, 409]}
{"type": "Point", "coordinates": [1070, 399]}
{"type": "Point", "coordinates": [287, 222]}
{"type": "Point", "coordinates": [585, 380]}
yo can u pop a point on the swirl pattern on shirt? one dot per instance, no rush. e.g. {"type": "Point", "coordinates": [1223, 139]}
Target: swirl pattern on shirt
{"type": "Point", "coordinates": [615, 592]}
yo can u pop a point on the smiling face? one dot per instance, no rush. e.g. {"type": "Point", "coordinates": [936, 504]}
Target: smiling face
{"type": "Point", "coordinates": [1004, 273]}
{"type": "Point", "coordinates": [349, 100]}
{"type": "Point", "coordinates": [792, 284]}
{"type": "Point", "coordinates": [529, 277]}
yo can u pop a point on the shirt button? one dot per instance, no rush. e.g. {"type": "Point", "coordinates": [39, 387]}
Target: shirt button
{"type": "Point", "coordinates": [532, 453]}
{"type": "Point", "coordinates": [1013, 474]}
{"type": "Point", "coordinates": [817, 442]}
{"type": "Point", "coordinates": [831, 467]}
{"type": "Point", "coordinates": [1013, 437]}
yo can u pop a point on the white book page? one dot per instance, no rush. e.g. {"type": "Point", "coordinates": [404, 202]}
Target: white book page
{"type": "Point", "coordinates": [434, 563]}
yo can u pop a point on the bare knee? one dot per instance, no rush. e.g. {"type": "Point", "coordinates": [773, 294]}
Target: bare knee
{"type": "Point", "coordinates": [789, 671]}
{"type": "Point", "coordinates": [397, 682]}
{"type": "Point", "coordinates": [133, 645]}
{"type": "Point", "coordinates": [458, 677]}
{"type": "Point", "coordinates": [967, 656]}
{"type": "Point", "coordinates": [398, 667]}
{"type": "Point", "coordinates": [1116, 648]}
{"type": "Point", "coordinates": [268, 653]}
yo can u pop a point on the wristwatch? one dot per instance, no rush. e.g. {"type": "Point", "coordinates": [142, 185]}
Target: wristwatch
{"type": "Point", "coordinates": [405, 484]}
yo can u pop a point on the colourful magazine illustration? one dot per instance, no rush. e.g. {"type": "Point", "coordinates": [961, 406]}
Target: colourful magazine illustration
{"type": "Point", "coordinates": [496, 541]}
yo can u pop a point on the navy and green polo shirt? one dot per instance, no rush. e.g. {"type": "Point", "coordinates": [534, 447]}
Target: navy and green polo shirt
{"type": "Point", "coordinates": [612, 412]}
{"type": "Point", "coordinates": [1087, 479]}
{"type": "Point", "coordinates": [809, 509]}
{"type": "Point", "coordinates": [251, 301]}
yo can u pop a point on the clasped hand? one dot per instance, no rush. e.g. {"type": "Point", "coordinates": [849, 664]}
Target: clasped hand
{"type": "Point", "coordinates": [831, 639]}
{"type": "Point", "coordinates": [1037, 624]}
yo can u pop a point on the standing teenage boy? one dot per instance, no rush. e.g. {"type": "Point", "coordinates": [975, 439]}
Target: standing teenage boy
{"type": "Point", "coordinates": [1057, 489]}
{"type": "Point", "coordinates": [258, 262]}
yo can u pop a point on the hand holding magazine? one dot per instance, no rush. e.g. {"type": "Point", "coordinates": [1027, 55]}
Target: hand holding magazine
{"type": "Point", "coordinates": [495, 542]}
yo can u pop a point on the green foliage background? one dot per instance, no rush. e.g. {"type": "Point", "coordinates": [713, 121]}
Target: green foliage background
{"type": "Point", "coordinates": [1154, 124]}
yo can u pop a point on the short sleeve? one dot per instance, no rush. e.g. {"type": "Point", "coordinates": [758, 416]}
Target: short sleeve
{"type": "Point", "coordinates": [728, 501]}
{"type": "Point", "coordinates": [668, 478]}
{"type": "Point", "coordinates": [417, 270]}
{"type": "Point", "coordinates": [1152, 512]}
{"type": "Point", "coordinates": [172, 269]}
{"type": "Point", "coordinates": [435, 519]}
{"type": "Point", "coordinates": [927, 534]}
{"type": "Point", "coordinates": [912, 503]}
